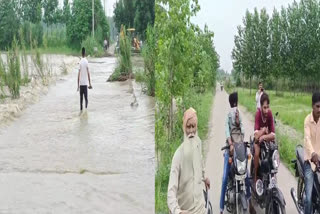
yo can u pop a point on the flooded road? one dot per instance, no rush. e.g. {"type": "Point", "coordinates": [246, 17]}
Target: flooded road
{"type": "Point", "coordinates": [55, 161]}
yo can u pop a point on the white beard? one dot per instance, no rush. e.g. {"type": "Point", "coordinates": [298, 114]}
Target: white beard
{"type": "Point", "coordinates": [189, 139]}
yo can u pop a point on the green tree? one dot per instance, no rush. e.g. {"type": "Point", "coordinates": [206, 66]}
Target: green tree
{"type": "Point", "coordinates": [263, 44]}
{"type": "Point", "coordinates": [250, 49]}
{"type": "Point", "coordinates": [144, 15]}
{"type": "Point", "coordinates": [275, 46]}
{"type": "Point", "coordinates": [149, 55]}
{"type": "Point", "coordinates": [9, 23]}
{"type": "Point", "coordinates": [66, 11]}
{"type": "Point", "coordinates": [80, 25]}
{"type": "Point", "coordinates": [50, 11]}
{"type": "Point", "coordinates": [124, 13]}
{"type": "Point", "coordinates": [31, 10]}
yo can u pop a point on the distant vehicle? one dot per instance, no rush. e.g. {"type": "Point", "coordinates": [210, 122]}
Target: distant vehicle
{"type": "Point", "coordinates": [135, 43]}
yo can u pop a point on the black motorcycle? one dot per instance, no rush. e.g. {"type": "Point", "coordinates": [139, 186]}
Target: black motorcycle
{"type": "Point", "coordinates": [299, 197]}
{"type": "Point", "coordinates": [236, 190]}
{"type": "Point", "coordinates": [266, 192]}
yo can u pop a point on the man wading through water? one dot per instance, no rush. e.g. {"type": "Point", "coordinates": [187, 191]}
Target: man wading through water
{"type": "Point", "coordinates": [187, 181]}
{"type": "Point", "coordinates": [83, 79]}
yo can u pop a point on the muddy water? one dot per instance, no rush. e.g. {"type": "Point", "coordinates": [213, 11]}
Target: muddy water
{"type": "Point", "coordinates": [55, 161]}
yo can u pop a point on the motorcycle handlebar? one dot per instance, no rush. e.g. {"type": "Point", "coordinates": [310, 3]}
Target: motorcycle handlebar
{"type": "Point", "coordinates": [247, 144]}
{"type": "Point", "coordinates": [225, 147]}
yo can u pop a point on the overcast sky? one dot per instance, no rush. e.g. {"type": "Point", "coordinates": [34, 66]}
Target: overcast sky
{"type": "Point", "coordinates": [223, 17]}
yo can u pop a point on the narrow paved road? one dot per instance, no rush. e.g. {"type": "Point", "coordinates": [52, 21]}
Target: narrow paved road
{"type": "Point", "coordinates": [214, 162]}
{"type": "Point", "coordinates": [55, 161]}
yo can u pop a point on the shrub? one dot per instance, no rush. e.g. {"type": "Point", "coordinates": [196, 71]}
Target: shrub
{"type": "Point", "coordinates": [124, 58]}
{"type": "Point", "coordinates": [56, 37]}
{"type": "Point", "coordinates": [92, 47]}
{"type": "Point", "coordinates": [13, 78]}
{"type": "Point", "coordinates": [2, 74]}
{"type": "Point", "coordinates": [149, 55]}
{"type": "Point", "coordinates": [32, 32]}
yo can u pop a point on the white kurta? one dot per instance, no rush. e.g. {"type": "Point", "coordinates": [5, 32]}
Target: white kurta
{"type": "Point", "coordinates": [185, 190]}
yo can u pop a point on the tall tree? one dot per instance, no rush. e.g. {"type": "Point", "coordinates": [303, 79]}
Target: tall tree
{"type": "Point", "coordinates": [31, 10]}
{"type": "Point", "coordinates": [275, 46]}
{"type": "Point", "coordinates": [9, 24]}
{"type": "Point", "coordinates": [66, 11]}
{"type": "Point", "coordinates": [81, 21]}
{"type": "Point", "coordinates": [263, 43]}
{"type": "Point", "coordinates": [144, 15]}
{"type": "Point", "coordinates": [50, 11]}
{"type": "Point", "coordinates": [124, 13]}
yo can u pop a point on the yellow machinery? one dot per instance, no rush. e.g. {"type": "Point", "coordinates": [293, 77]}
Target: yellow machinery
{"type": "Point", "coordinates": [135, 43]}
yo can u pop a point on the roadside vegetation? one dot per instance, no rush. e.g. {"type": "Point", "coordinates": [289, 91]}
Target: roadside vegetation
{"type": "Point", "coordinates": [185, 72]}
{"type": "Point", "coordinates": [124, 69]}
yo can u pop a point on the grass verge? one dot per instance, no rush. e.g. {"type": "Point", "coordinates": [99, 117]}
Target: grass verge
{"type": "Point", "coordinates": [57, 50]}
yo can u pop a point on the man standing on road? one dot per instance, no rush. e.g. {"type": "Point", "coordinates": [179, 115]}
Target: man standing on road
{"type": "Point", "coordinates": [105, 44]}
{"type": "Point", "coordinates": [83, 79]}
{"type": "Point", "coordinates": [263, 129]}
{"type": "Point", "coordinates": [185, 190]}
{"type": "Point", "coordinates": [311, 149]}
{"type": "Point", "coordinates": [258, 95]}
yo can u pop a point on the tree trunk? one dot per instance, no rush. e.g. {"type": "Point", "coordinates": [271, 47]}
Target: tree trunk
{"type": "Point", "coordinates": [171, 104]}
{"type": "Point", "coordinates": [250, 84]}
{"type": "Point", "coordinates": [276, 86]}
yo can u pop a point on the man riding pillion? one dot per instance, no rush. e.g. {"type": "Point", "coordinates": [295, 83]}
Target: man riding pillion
{"type": "Point", "coordinates": [187, 181]}
{"type": "Point", "coordinates": [311, 149]}
{"type": "Point", "coordinates": [235, 134]}
{"type": "Point", "coordinates": [263, 129]}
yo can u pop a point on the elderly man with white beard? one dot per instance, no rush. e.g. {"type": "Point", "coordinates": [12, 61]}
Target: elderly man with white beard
{"type": "Point", "coordinates": [187, 181]}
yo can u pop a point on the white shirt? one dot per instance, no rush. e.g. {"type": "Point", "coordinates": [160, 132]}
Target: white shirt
{"type": "Point", "coordinates": [258, 96]}
{"type": "Point", "coordinates": [84, 69]}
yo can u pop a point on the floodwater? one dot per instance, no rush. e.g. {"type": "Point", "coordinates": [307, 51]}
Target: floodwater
{"type": "Point", "coordinates": [55, 161]}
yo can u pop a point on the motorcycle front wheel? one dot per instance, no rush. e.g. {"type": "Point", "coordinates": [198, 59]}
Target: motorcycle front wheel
{"type": "Point", "coordinates": [275, 207]}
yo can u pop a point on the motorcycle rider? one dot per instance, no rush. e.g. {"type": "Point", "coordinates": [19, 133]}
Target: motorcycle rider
{"type": "Point", "coordinates": [311, 149]}
{"type": "Point", "coordinates": [263, 129]}
{"type": "Point", "coordinates": [234, 133]}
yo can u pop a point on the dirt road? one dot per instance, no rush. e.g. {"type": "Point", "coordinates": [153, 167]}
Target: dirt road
{"type": "Point", "coordinates": [55, 161]}
{"type": "Point", "coordinates": [214, 161]}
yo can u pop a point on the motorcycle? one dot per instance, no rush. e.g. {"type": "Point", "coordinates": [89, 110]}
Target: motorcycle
{"type": "Point", "coordinates": [299, 197]}
{"type": "Point", "coordinates": [266, 192]}
{"type": "Point", "coordinates": [236, 202]}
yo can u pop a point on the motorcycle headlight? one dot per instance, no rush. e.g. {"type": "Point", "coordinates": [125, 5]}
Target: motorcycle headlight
{"type": "Point", "coordinates": [275, 159]}
{"type": "Point", "coordinates": [241, 167]}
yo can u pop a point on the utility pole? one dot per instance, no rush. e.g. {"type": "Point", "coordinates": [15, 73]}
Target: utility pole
{"type": "Point", "coordinates": [92, 18]}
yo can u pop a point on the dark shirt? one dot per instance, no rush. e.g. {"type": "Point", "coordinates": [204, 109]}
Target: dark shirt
{"type": "Point", "coordinates": [261, 122]}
